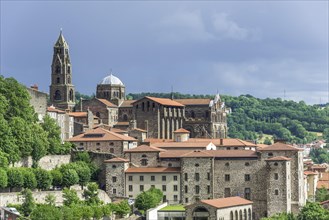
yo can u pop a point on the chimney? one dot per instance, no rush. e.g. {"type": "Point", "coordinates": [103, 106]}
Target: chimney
{"type": "Point", "coordinates": [35, 87]}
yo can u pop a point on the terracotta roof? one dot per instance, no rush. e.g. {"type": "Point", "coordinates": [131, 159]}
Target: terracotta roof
{"type": "Point", "coordinates": [122, 123]}
{"type": "Point", "coordinates": [227, 202]}
{"type": "Point", "coordinates": [53, 109]}
{"type": "Point", "coordinates": [78, 114]}
{"type": "Point", "coordinates": [153, 170]}
{"type": "Point", "coordinates": [144, 148]}
{"type": "Point", "coordinates": [184, 144]}
{"type": "Point", "coordinates": [127, 103]}
{"type": "Point", "coordinates": [106, 102]}
{"type": "Point", "coordinates": [138, 129]}
{"type": "Point", "coordinates": [100, 134]}
{"type": "Point", "coordinates": [310, 173]}
{"type": "Point", "coordinates": [197, 153]}
{"type": "Point", "coordinates": [279, 158]}
{"type": "Point", "coordinates": [324, 177]}
{"type": "Point", "coordinates": [324, 202]}
{"type": "Point", "coordinates": [117, 130]}
{"type": "Point", "coordinates": [226, 142]}
{"type": "Point", "coordinates": [193, 101]}
{"type": "Point", "coordinates": [280, 147]}
{"type": "Point", "coordinates": [116, 160]}
{"type": "Point", "coordinates": [262, 145]}
{"type": "Point", "coordinates": [322, 184]}
{"type": "Point", "coordinates": [162, 101]}
{"type": "Point", "coordinates": [212, 153]}
{"type": "Point", "coordinates": [157, 140]}
{"type": "Point", "coordinates": [181, 130]}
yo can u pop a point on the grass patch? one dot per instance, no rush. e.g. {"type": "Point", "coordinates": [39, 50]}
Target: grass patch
{"type": "Point", "coordinates": [173, 208]}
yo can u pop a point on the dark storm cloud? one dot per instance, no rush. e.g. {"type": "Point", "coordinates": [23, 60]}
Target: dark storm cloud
{"type": "Point", "coordinates": [197, 47]}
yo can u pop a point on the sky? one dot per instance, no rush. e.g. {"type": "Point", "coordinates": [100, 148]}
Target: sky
{"type": "Point", "coordinates": [262, 48]}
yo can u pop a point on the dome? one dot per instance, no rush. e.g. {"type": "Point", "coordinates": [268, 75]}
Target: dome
{"type": "Point", "coordinates": [111, 80]}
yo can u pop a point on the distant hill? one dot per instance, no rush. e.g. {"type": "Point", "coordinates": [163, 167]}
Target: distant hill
{"type": "Point", "coordinates": [252, 117]}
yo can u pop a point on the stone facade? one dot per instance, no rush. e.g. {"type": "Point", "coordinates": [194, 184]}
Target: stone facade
{"type": "Point", "coordinates": [64, 120]}
{"type": "Point", "coordinates": [38, 101]}
{"type": "Point", "coordinates": [270, 177]}
{"type": "Point", "coordinates": [62, 91]}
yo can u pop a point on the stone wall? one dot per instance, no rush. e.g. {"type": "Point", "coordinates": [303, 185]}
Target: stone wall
{"type": "Point", "coordinates": [39, 102]}
{"type": "Point", "coordinates": [150, 157]}
{"type": "Point", "coordinates": [48, 162]}
{"type": "Point", "coordinates": [39, 196]}
{"type": "Point", "coordinates": [115, 187]}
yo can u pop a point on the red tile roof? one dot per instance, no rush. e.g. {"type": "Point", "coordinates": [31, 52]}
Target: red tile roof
{"type": "Point", "coordinates": [138, 129]}
{"type": "Point", "coordinates": [144, 148]}
{"type": "Point", "coordinates": [280, 147]}
{"type": "Point", "coordinates": [53, 109]}
{"type": "Point", "coordinates": [107, 103]}
{"type": "Point", "coordinates": [100, 134]}
{"type": "Point", "coordinates": [78, 114]}
{"type": "Point", "coordinates": [279, 158]}
{"type": "Point", "coordinates": [122, 123]}
{"type": "Point", "coordinates": [153, 170]}
{"type": "Point", "coordinates": [323, 184]}
{"type": "Point", "coordinates": [324, 176]}
{"type": "Point", "coordinates": [212, 153]}
{"type": "Point", "coordinates": [197, 153]}
{"type": "Point", "coordinates": [184, 144]}
{"type": "Point", "coordinates": [193, 101]}
{"type": "Point", "coordinates": [310, 173]}
{"type": "Point", "coordinates": [127, 103]}
{"type": "Point", "coordinates": [227, 202]}
{"type": "Point", "coordinates": [181, 130]}
{"type": "Point", "coordinates": [116, 160]}
{"type": "Point", "coordinates": [162, 101]}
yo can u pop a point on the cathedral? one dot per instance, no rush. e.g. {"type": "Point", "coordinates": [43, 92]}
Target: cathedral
{"type": "Point", "coordinates": [159, 117]}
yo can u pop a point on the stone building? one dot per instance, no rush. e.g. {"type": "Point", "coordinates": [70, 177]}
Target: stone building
{"type": "Point", "coordinates": [102, 140]}
{"type": "Point", "coordinates": [62, 91]}
{"type": "Point", "coordinates": [38, 101]}
{"type": "Point", "coordinates": [64, 120]}
{"type": "Point", "coordinates": [112, 89]}
{"type": "Point", "coordinates": [220, 209]}
{"type": "Point", "coordinates": [205, 118]}
{"type": "Point", "coordinates": [271, 177]}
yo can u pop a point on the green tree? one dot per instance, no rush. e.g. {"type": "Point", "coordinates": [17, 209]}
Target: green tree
{"type": "Point", "coordinates": [148, 199]}
{"type": "Point", "coordinates": [57, 177]}
{"type": "Point", "coordinates": [70, 177]}
{"type": "Point", "coordinates": [83, 172]}
{"type": "Point", "coordinates": [3, 160]}
{"type": "Point", "coordinates": [70, 197]}
{"type": "Point", "coordinates": [40, 143]}
{"type": "Point", "coordinates": [98, 212]}
{"type": "Point", "coordinates": [28, 202]}
{"type": "Point", "coordinates": [122, 208]}
{"type": "Point", "coordinates": [46, 212]}
{"type": "Point", "coordinates": [91, 194]}
{"type": "Point", "coordinates": [87, 212]}
{"type": "Point", "coordinates": [44, 178]}
{"type": "Point", "coordinates": [313, 211]}
{"type": "Point", "coordinates": [3, 178]}
{"type": "Point", "coordinates": [53, 134]}
{"type": "Point", "coordinates": [30, 181]}
{"type": "Point", "coordinates": [281, 216]}
{"type": "Point", "coordinates": [15, 178]}
{"type": "Point", "coordinates": [21, 131]}
{"type": "Point", "coordinates": [321, 195]}
{"type": "Point", "coordinates": [7, 143]}
{"type": "Point", "coordinates": [50, 199]}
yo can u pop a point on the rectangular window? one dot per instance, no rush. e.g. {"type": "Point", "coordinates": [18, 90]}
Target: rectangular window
{"type": "Point", "coordinates": [186, 200]}
{"type": "Point", "coordinates": [197, 177]}
{"type": "Point", "coordinates": [175, 198]}
{"type": "Point", "coordinates": [227, 177]}
{"type": "Point", "coordinates": [276, 176]}
{"type": "Point", "coordinates": [164, 178]}
{"type": "Point", "coordinates": [141, 188]}
{"type": "Point", "coordinates": [175, 188]}
{"type": "Point", "coordinates": [247, 177]}
{"type": "Point", "coordinates": [130, 188]}
{"type": "Point", "coordinates": [227, 192]}
{"type": "Point", "coordinates": [247, 193]}
{"type": "Point", "coordinates": [114, 179]}
{"type": "Point", "coordinates": [164, 198]}
{"type": "Point", "coordinates": [208, 176]}
{"type": "Point", "coordinates": [276, 192]}
{"type": "Point", "coordinates": [141, 178]}
{"type": "Point", "coordinates": [185, 177]}
{"type": "Point", "coordinates": [114, 191]}
{"type": "Point", "coordinates": [130, 178]}
{"type": "Point", "coordinates": [197, 189]}
{"type": "Point", "coordinates": [175, 178]}
{"type": "Point", "coordinates": [186, 189]}
{"type": "Point", "coordinates": [208, 189]}
{"type": "Point", "coordinates": [164, 188]}
{"type": "Point", "coordinates": [152, 178]}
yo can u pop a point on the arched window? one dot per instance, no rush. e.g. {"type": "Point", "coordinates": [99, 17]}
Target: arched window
{"type": "Point", "coordinates": [57, 95]}
{"type": "Point", "coordinates": [270, 154]}
{"type": "Point", "coordinates": [144, 162]}
{"type": "Point", "coordinates": [245, 214]}
{"type": "Point", "coordinates": [148, 106]}
{"type": "Point", "coordinates": [143, 106]}
{"type": "Point", "coordinates": [58, 69]}
{"type": "Point", "coordinates": [236, 214]}
{"type": "Point", "coordinates": [114, 166]}
{"type": "Point", "coordinates": [231, 216]}
{"type": "Point", "coordinates": [71, 95]}
{"type": "Point", "coordinates": [249, 214]}
{"type": "Point", "coordinates": [125, 118]}
{"type": "Point", "coordinates": [68, 69]}
{"type": "Point", "coordinates": [144, 155]}
{"type": "Point", "coordinates": [58, 80]}
{"type": "Point", "coordinates": [240, 215]}
{"type": "Point", "coordinates": [197, 165]}
{"type": "Point", "coordinates": [247, 164]}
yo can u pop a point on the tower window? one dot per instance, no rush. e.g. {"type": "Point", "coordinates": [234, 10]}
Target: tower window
{"type": "Point", "coordinates": [57, 95]}
{"type": "Point", "coordinates": [58, 80]}
{"type": "Point", "coordinates": [68, 69]}
{"type": "Point", "coordinates": [69, 80]}
{"type": "Point", "coordinates": [58, 69]}
{"type": "Point", "coordinates": [71, 95]}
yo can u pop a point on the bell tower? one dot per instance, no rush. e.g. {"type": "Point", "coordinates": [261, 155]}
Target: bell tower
{"type": "Point", "coordinates": [62, 91]}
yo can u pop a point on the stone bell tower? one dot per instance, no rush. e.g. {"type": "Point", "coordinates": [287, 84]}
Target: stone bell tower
{"type": "Point", "coordinates": [62, 91]}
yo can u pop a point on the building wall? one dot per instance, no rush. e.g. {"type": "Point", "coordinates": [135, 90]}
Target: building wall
{"type": "Point", "coordinates": [114, 147]}
{"type": "Point", "coordinates": [39, 102]}
{"type": "Point", "coordinates": [169, 183]}
{"type": "Point", "coordinates": [150, 157]}
{"type": "Point", "coordinates": [115, 170]}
